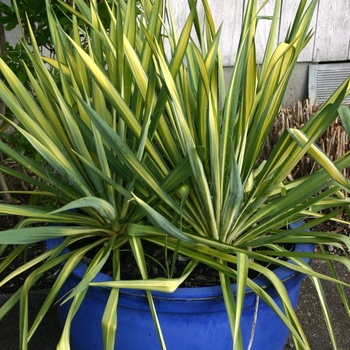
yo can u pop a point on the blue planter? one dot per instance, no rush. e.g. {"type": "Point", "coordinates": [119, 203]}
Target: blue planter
{"type": "Point", "coordinates": [191, 318]}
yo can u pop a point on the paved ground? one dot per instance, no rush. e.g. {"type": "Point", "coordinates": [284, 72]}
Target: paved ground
{"type": "Point", "coordinates": [311, 316]}
{"type": "Point", "coordinates": [309, 312]}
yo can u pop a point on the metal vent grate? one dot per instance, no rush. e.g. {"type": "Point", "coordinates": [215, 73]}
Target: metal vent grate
{"type": "Point", "coordinates": [324, 79]}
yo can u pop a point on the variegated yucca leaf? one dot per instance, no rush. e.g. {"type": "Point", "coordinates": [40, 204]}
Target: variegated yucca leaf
{"type": "Point", "coordinates": [139, 141]}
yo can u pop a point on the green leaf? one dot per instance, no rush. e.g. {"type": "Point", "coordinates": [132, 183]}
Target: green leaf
{"type": "Point", "coordinates": [321, 158]}
{"type": "Point", "coordinates": [30, 235]}
{"type": "Point", "coordinates": [105, 209]}
{"type": "Point", "coordinates": [344, 113]}
{"type": "Point", "coordinates": [161, 222]}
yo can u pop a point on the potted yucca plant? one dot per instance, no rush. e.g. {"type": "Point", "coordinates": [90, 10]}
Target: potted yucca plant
{"type": "Point", "coordinates": [141, 151]}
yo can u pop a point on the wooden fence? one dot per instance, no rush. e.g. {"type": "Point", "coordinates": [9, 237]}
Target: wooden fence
{"type": "Point", "coordinates": [331, 24]}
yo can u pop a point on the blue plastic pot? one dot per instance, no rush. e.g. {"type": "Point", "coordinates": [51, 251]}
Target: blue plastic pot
{"type": "Point", "coordinates": [191, 318]}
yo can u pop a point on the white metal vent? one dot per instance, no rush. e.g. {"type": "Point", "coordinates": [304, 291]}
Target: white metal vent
{"type": "Point", "coordinates": [324, 79]}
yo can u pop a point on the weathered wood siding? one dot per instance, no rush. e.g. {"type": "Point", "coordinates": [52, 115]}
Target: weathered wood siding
{"type": "Point", "coordinates": [331, 23]}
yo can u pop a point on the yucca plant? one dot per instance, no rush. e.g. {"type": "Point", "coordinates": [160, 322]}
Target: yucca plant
{"type": "Point", "coordinates": [140, 143]}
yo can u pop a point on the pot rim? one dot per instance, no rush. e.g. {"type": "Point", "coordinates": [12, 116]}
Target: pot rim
{"type": "Point", "coordinates": [282, 272]}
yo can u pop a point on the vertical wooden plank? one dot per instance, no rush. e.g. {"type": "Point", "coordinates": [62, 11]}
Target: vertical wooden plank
{"type": "Point", "coordinates": [227, 13]}
{"type": "Point", "coordinates": [230, 14]}
{"type": "Point", "coordinates": [180, 11]}
{"type": "Point", "coordinates": [333, 33]}
{"type": "Point", "coordinates": [289, 9]}
{"type": "Point", "coordinates": [263, 28]}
